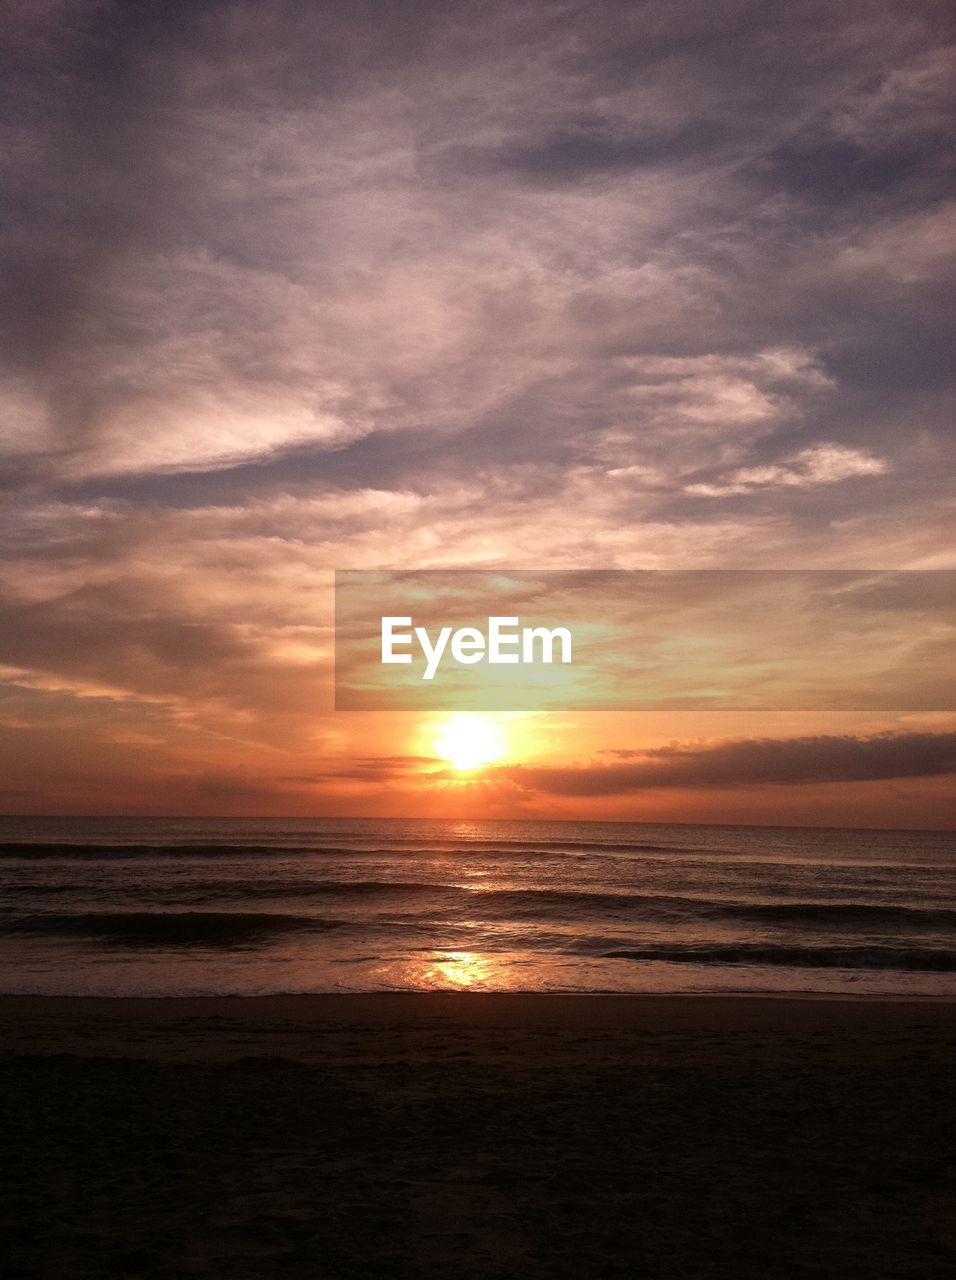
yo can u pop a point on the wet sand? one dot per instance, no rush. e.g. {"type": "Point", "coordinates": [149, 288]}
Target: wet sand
{"type": "Point", "coordinates": [474, 1135]}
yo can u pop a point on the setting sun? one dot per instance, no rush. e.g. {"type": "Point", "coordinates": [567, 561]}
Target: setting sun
{"type": "Point", "coordinates": [468, 741]}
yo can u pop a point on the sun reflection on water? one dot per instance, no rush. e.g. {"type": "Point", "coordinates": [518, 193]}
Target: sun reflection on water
{"type": "Point", "coordinates": [460, 969]}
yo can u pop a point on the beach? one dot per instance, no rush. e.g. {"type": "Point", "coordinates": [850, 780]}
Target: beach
{"type": "Point", "coordinates": [477, 1135]}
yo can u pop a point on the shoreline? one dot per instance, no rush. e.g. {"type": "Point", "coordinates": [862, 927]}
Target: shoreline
{"type": "Point", "coordinates": [517, 993]}
{"type": "Point", "coordinates": [378, 1026]}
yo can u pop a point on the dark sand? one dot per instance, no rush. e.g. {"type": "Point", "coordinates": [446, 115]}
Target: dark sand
{"type": "Point", "coordinates": [467, 1136]}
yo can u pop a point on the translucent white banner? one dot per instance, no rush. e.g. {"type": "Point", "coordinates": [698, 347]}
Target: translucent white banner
{"type": "Point", "coordinates": [752, 639]}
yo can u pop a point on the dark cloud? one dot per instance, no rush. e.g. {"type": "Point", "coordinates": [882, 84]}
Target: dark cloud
{"type": "Point", "coordinates": [366, 769]}
{"type": "Point", "coordinates": [101, 634]}
{"type": "Point", "coordinates": [837, 172]}
{"type": "Point", "coordinates": [592, 149]}
{"type": "Point", "coordinates": [792, 761]}
{"type": "Point", "coordinates": [116, 641]}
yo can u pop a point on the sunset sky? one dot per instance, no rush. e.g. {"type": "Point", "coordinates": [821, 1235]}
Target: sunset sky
{"type": "Point", "coordinates": [298, 287]}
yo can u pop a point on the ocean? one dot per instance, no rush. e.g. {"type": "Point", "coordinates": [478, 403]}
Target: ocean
{"type": "Point", "coordinates": [163, 907]}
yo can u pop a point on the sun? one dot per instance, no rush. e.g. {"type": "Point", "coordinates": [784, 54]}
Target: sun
{"type": "Point", "coordinates": [468, 741]}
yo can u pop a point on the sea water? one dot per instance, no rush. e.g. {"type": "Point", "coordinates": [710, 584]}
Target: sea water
{"type": "Point", "coordinates": [129, 906]}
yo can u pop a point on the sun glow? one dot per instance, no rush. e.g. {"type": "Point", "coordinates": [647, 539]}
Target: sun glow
{"type": "Point", "coordinates": [468, 741]}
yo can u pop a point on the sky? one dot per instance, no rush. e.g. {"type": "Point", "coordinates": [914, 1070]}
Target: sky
{"type": "Point", "coordinates": [294, 287]}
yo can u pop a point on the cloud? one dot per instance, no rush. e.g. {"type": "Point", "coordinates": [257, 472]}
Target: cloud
{"type": "Point", "coordinates": [590, 147]}
{"type": "Point", "coordinates": [371, 769]}
{"type": "Point", "coordinates": [299, 286]}
{"type": "Point", "coordinates": [822, 464]}
{"type": "Point", "coordinates": [232, 238]}
{"type": "Point", "coordinates": [746, 763]}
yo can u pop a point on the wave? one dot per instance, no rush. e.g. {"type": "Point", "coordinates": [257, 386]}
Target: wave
{"type": "Point", "coordinates": [535, 903]}
{"type": "Point", "coordinates": [552, 902]}
{"type": "Point", "coordinates": [924, 960]}
{"type": "Point", "coordinates": [835, 913]}
{"type": "Point", "coordinates": [98, 852]}
{"type": "Point", "coordinates": [221, 849]}
{"type": "Point", "coordinates": [167, 928]}
{"type": "Point", "coordinates": [208, 890]}
{"type": "Point", "coordinates": [325, 889]}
